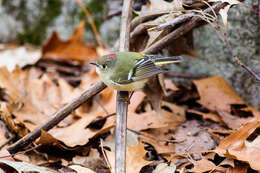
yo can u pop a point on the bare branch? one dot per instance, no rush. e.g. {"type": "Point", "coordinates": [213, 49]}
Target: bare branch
{"type": "Point", "coordinates": [183, 29]}
{"type": "Point", "coordinates": [91, 21]}
{"type": "Point", "coordinates": [122, 96]}
{"type": "Point", "coordinates": [251, 72]}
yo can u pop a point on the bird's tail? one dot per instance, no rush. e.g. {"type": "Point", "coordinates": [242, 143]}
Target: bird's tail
{"type": "Point", "coordinates": [160, 60]}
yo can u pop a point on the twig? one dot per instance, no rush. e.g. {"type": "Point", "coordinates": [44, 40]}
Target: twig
{"type": "Point", "coordinates": [251, 72]}
{"type": "Point", "coordinates": [90, 20]}
{"type": "Point", "coordinates": [223, 37]}
{"type": "Point", "coordinates": [136, 21]}
{"type": "Point", "coordinates": [174, 22]}
{"type": "Point", "coordinates": [194, 22]}
{"type": "Point", "coordinates": [105, 155]}
{"type": "Point", "coordinates": [139, 30]}
{"type": "Point", "coordinates": [57, 117]}
{"type": "Point", "coordinates": [188, 154]}
{"type": "Point", "coordinates": [122, 96]}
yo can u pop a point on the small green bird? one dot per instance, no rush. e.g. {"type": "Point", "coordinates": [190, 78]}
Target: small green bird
{"type": "Point", "coordinates": [129, 71]}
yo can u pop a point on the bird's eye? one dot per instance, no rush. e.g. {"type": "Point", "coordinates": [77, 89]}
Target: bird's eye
{"type": "Point", "coordinates": [104, 66]}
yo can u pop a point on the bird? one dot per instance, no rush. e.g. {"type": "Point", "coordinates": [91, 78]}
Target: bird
{"type": "Point", "coordinates": [129, 71]}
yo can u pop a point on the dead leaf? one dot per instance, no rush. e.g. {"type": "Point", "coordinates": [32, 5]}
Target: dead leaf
{"type": "Point", "coordinates": [78, 133]}
{"type": "Point", "coordinates": [93, 161]}
{"type": "Point", "coordinates": [11, 166]}
{"type": "Point", "coordinates": [32, 100]}
{"type": "Point", "coordinates": [165, 168]}
{"type": "Point", "coordinates": [81, 169]}
{"type": "Point", "coordinates": [227, 162]}
{"type": "Point", "coordinates": [195, 136]}
{"type": "Point", "coordinates": [135, 101]}
{"type": "Point", "coordinates": [134, 158]}
{"type": "Point", "coordinates": [238, 168]}
{"type": "Point", "coordinates": [207, 116]}
{"type": "Point", "coordinates": [231, 121]}
{"type": "Point", "coordinates": [72, 49]}
{"type": "Point", "coordinates": [235, 145]}
{"type": "Point", "coordinates": [231, 2]}
{"type": "Point", "coordinates": [216, 94]}
{"type": "Point", "coordinates": [170, 85]}
{"type": "Point", "coordinates": [17, 127]}
{"type": "Point", "coordinates": [156, 6]}
{"type": "Point", "coordinates": [147, 120]}
{"type": "Point", "coordinates": [10, 57]}
{"type": "Point", "coordinates": [47, 139]}
{"type": "Point", "coordinates": [154, 91]}
{"type": "Point", "coordinates": [183, 45]}
{"type": "Point", "coordinates": [223, 13]}
{"type": "Point", "coordinates": [205, 165]}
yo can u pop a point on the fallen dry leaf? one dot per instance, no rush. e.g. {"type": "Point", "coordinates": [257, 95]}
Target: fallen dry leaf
{"type": "Point", "coordinates": [233, 122]}
{"type": "Point", "coordinates": [165, 168]}
{"type": "Point", "coordinates": [195, 137]}
{"type": "Point", "coordinates": [203, 165]}
{"type": "Point", "coordinates": [155, 6]}
{"type": "Point", "coordinates": [216, 94]}
{"type": "Point", "coordinates": [154, 91]}
{"type": "Point", "coordinates": [236, 145]}
{"type": "Point", "coordinates": [136, 101]}
{"type": "Point", "coordinates": [134, 158]}
{"type": "Point", "coordinates": [21, 56]}
{"type": "Point", "coordinates": [160, 142]}
{"type": "Point", "coordinates": [11, 166]}
{"type": "Point", "coordinates": [92, 161]}
{"type": "Point", "coordinates": [72, 49]}
{"type": "Point", "coordinates": [81, 169]}
{"type": "Point", "coordinates": [238, 168]}
{"type": "Point", "coordinates": [150, 120]}
{"type": "Point", "coordinates": [32, 99]}
{"type": "Point", "coordinates": [207, 116]}
{"type": "Point", "coordinates": [78, 133]}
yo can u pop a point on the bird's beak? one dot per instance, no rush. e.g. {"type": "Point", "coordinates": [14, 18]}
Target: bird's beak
{"type": "Point", "coordinates": [94, 63]}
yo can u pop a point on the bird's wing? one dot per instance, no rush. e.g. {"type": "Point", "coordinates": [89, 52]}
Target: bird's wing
{"type": "Point", "coordinates": [144, 68]}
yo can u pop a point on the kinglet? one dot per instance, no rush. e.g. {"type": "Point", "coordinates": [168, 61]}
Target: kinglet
{"type": "Point", "coordinates": [129, 71]}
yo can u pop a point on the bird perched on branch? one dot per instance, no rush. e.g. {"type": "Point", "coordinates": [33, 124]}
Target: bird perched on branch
{"type": "Point", "coordinates": [129, 71]}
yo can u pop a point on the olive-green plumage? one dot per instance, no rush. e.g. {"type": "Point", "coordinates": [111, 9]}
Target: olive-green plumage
{"type": "Point", "coordinates": [129, 71]}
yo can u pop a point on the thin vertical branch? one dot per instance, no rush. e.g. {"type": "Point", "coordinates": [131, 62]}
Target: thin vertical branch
{"type": "Point", "coordinates": [122, 96]}
{"type": "Point", "coordinates": [125, 23]}
{"type": "Point", "coordinates": [121, 123]}
{"type": "Point", "coordinates": [91, 21]}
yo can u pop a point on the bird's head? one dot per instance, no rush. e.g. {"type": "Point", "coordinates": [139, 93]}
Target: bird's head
{"type": "Point", "coordinates": [106, 62]}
